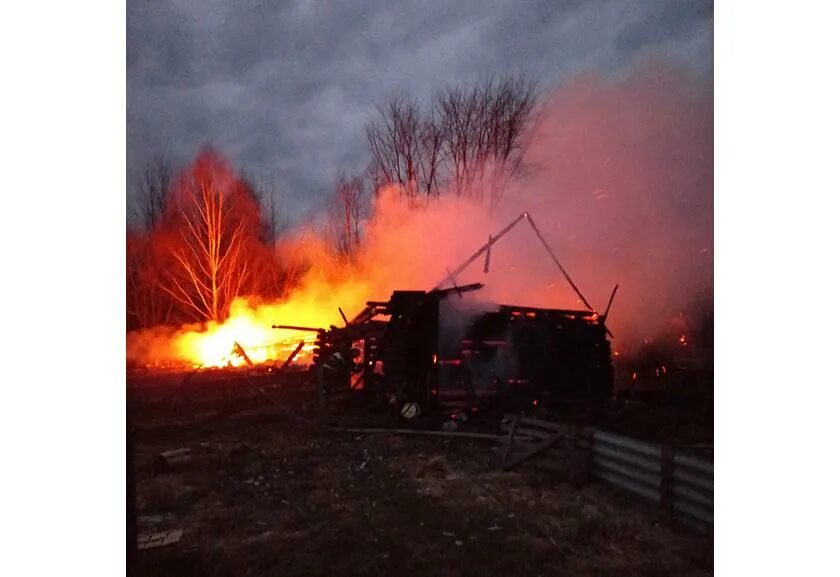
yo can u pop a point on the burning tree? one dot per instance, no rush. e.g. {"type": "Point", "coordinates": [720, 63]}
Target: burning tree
{"type": "Point", "coordinates": [147, 304]}
{"type": "Point", "coordinates": [212, 225]}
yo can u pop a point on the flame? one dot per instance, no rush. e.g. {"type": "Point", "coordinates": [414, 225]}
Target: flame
{"type": "Point", "coordinates": [250, 327]}
{"type": "Point", "coordinates": [314, 304]}
{"type": "Point", "coordinates": [216, 346]}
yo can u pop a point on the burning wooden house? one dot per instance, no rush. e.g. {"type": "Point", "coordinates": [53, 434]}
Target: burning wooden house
{"type": "Point", "coordinates": [441, 349]}
{"type": "Point", "coordinates": [421, 352]}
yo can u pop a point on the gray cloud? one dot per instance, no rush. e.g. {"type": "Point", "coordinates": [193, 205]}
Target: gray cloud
{"type": "Point", "coordinates": [284, 88]}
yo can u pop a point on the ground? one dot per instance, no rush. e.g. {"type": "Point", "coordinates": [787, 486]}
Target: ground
{"type": "Point", "coordinates": [263, 493]}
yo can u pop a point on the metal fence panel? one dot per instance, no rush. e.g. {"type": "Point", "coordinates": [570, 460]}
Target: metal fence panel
{"type": "Point", "coordinates": [699, 513]}
{"type": "Point", "coordinates": [628, 484]}
{"type": "Point", "coordinates": [682, 483]}
{"type": "Point", "coordinates": [626, 443]}
{"type": "Point", "coordinates": [693, 463]}
{"type": "Point", "coordinates": [688, 494]}
{"type": "Point", "coordinates": [694, 480]}
{"type": "Point", "coordinates": [632, 473]}
{"type": "Point", "coordinates": [645, 463]}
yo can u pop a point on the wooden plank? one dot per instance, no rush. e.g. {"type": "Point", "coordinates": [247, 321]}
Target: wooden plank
{"type": "Point", "coordinates": [169, 459]}
{"type": "Point", "coordinates": [523, 431]}
{"type": "Point", "coordinates": [533, 451]}
{"type": "Point", "coordinates": [509, 442]}
{"type": "Point", "coordinates": [540, 426]}
{"type": "Point", "coordinates": [549, 425]}
{"type": "Point", "coordinates": [420, 432]}
{"type": "Point", "coordinates": [291, 357]}
{"type": "Point", "coordinates": [162, 539]}
{"type": "Point", "coordinates": [535, 432]}
{"type": "Point", "coordinates": [507, 418]}
{"type": "Point", "coordinates": [518, 442]}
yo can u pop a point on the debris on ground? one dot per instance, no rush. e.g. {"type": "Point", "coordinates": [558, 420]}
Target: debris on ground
{"type": "Point", "coordinates": [161, 539]}
{"type": "Point", "coordinates": [321, 503]}
{"type": "Point", "coordinates": [167, 460]}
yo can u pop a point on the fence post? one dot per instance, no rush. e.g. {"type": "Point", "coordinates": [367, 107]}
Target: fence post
{"type": "Point", "coordinates": [509, 443]}
{"type": "Point", "coordinates": [666, 480]}
{"type": "Point", "coordinates": [582, 455]}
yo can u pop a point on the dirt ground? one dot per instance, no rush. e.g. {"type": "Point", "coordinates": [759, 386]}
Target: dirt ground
{"type": "Point", "coordinates": [263, 494]}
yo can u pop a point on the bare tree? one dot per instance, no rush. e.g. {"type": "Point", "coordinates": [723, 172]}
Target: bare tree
{"type": "Point", "coordinates": [273, 224]}
{"type": "Point", "coordinates": [470, 139]}
{"type": "Point", "coordinates": [274, 276]}
{"type": "Point", "coordinates": [483, 131]}
{"type": "Point", "coordinates": [213, 218]}
{"type": "Point", "coordinates": [405, 146]}
{"type": "Point", "coordinates": [153, 187]}
{"type": "Point", "coordinates": [345, 213]}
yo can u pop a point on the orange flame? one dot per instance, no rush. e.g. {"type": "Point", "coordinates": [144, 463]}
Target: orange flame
{"type": "Point", "coordinates": [249, 324]}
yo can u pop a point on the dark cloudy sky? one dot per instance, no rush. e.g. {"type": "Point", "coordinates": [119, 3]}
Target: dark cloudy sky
{"type": "Point", "coordinates": [284, 88]}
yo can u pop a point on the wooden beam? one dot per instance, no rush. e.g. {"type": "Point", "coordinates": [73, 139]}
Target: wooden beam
{"type": "Point", "coordinates": [296, 328]}
{"type": "Point", "coordinates": [509, 442]}
{"type": "Point", "coordinates": [289, 360]}
{"type": "Point", "coordinates": [421, 432]}
{"type": "Point", "coordinates": [535, 450]}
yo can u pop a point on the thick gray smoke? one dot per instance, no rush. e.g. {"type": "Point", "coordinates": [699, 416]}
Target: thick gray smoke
{"type": "Point", "coordinates": [624, 192]}
{"type": "Point", "coordinates": [621, 185]}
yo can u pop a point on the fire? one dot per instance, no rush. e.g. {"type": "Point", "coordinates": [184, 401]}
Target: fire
{"type": "Point", "coordinates": [250, 327]}
{"type": "Point", "coordinates": [216, 347]}
{"type": "Point", "coordinates": [315, 304]}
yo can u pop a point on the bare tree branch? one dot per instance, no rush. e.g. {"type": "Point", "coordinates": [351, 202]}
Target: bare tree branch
{"type": "Point", "coordinates": [469, 140]}
{"type": "Point", "coordinates": [153, 186]}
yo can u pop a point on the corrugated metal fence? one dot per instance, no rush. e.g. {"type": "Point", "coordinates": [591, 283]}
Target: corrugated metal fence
{"type": "Point", "coordinates": [680, 483]}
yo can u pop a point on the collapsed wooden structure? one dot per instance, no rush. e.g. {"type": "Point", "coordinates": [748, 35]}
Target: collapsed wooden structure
{"type": "Point", "coordinates": [418, 353]}
{"type": "Point", "coordinates": [408, 353]}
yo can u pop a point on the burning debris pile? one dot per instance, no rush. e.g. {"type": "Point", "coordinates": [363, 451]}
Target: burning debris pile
{"type": "Point", "coordinates": [413, 354]}
{"type": "Point", "coordinates": [246, 338]}
{"type": "Point", "coordinates": [419, 351]}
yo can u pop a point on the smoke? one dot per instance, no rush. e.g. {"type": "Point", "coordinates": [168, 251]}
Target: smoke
{"type": "Point", "coordinates": [621, 186]}
{"type": "Point", "coordinates": [620, 183]}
